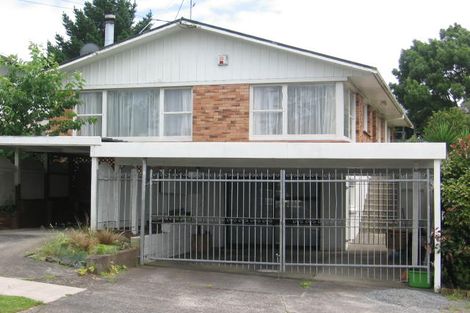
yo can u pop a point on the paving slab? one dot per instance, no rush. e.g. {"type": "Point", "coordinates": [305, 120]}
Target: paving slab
{"type": "Point", "coordinates": [34, 290]}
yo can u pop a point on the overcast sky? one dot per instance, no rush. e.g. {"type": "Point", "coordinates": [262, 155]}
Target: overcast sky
{"type": "Point", "coordinates": [372, 32]}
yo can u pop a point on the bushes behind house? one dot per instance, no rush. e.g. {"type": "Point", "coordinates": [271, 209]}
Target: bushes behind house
{"type": "Point", "coordinates": [455, 236]}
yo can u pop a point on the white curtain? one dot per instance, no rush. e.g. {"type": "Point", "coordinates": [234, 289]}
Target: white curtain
{"type": "Point", "coordinates": [133, 113]}
{"type": "Point", "coordinates": [91, 105]}
{"type": "Point", "coordinates": [267, 110]}
{"type": "Point", "coordinates": [177, 112]}
{"type": "Point", "coordinates": [311, 109]}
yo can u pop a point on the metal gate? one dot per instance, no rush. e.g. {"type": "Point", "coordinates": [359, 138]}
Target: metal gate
{"type": "Point", "coordinates": [372, 224]}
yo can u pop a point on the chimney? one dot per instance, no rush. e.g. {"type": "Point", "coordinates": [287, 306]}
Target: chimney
{"type": "Point", "coordinates": [109, 29]}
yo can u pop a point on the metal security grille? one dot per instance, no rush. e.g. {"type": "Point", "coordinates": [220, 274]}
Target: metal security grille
{"type": "Point", "coordinates": [360, 223]}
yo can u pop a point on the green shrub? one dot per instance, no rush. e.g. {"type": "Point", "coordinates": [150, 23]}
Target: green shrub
{"type": "Point", "coordinates": [105, 249]}
{"type": "Point", "coordinates": [455, 235]}
{"type": "Point", "coordinates": [447, 126]}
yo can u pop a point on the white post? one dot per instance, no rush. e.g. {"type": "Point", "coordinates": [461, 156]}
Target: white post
{"type": "Point", "coordinates": [94, 193]}
{"type": "Point", "coordinates": [415, 225]}
{"type": "Point", "coordinates": [142, 211]}
{"type": "Point", "coordinates": [437, 224]}
{"type": "Point", "coordinates": [17, 167]}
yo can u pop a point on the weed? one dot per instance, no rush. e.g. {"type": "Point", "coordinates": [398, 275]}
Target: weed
{"type": "Point", "coordinates": [109, 237]}
{"type": "Point", "coordinates": [82, 271]}
{"type": "Point", "coordinates": [113, 272]}
{"type": "Point", "coordinates": [305, 284]}
{"type": "Point", "coordinates": [83, 239]}
{"type": "Point", "coordinates": [105, 249]}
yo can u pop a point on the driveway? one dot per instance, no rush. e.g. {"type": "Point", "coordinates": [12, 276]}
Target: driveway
{"type": "Point", "coordinates": [171, 289]}
{"type": "Point", "coordinates": [163, 289]}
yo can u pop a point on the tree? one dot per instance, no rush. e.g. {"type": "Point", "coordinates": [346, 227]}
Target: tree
{"type": "Point", "coordinates": [447, 126]}
{"type": "Point", "coordinates": [455, 234]}
{"type": "Point", "coordinates": [434, 75]}
{"type": "Point", "coordinates": [88, 26]}
{"type": "Point", "coordinates": [36, 98]}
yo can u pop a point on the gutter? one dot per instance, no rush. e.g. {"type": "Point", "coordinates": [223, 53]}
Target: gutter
{"type": "Point", "coordinates": [392, 98]}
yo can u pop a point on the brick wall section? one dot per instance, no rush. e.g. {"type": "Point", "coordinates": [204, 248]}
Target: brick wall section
{"type": "Point", "coordinates": [371, 135]}
{"type": "Point", "coordinates": [221, 113]}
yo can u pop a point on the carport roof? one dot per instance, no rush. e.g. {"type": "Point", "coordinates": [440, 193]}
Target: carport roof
{"type": "Point", "coordinates": [275, 154]}
{"type": "Point", "coordinates": [64, 144]}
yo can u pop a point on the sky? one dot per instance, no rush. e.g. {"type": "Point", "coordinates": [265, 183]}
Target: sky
{"type": "Point", "coordinates": [372, 32]}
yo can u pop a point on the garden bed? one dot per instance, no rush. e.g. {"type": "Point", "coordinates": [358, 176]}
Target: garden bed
{"type": "Point", "coordinates": [89, 251]}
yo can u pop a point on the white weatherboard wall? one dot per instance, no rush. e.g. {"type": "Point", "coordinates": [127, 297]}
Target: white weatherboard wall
{"type": "Point", "coordinates": [189, 57]}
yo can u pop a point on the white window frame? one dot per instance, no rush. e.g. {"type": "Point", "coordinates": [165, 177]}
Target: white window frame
{"type": "Point", "coordinates": [339, 115]}
{"type": "Point", "coordinates": [366, 118]}
{"type": "Point", "coordinates": [102, 114]}
{"type": "Point", "coordinates": [163, 113]}
{"type": "Point", "coordinates": [351, 96]}
{"type": "Point", "coordinates": [161, 137]}
{"type": "Point", "coordinates": [378, 129]}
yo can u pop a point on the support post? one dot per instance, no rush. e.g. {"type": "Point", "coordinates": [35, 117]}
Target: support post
{"type": "Point", "coordinates": [437, 225]}
{"type": "Point", "coordinates": [17, 167]}
{"type": "Point", "coordinates": [94, 193]}
{"type": "Point", "coordinates": [282, 223]}
{"type": "Point", "coordinates": [142, 211]}
{"type": "Point", "coordinates": [415, 221]}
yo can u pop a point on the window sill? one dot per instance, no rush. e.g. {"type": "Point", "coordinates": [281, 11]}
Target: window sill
{"type": "Point", "coordinates": [150, 139]}
{"type": "Point", "coordinates": [322, 138]}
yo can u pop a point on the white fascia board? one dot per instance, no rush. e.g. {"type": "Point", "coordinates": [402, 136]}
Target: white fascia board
{"type": "Point", "coordinates": [276, 46]}
{"type": "Point", "coordinates": [117, 46]}
{"type": "Point", "coordinates": [273, 150]}
{"type": "Point", "coordinates": [49, 141]}
{"type": "Point", "coordinates": [219, 31]}
{"type": "Point", "coordinates": [392, 98]}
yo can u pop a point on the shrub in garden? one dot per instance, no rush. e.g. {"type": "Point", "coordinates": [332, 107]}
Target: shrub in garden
{"type": "Point", "coordinates": [455, 235]}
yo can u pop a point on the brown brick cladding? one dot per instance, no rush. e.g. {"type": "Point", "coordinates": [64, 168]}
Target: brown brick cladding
{"type": "Point", "coordinates": [221, 113]}
{"type": "Point", "coordinates": [372, 134]}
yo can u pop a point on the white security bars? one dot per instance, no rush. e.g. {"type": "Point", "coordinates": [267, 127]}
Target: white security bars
{"type": "Point", "coordinates": [363, 224]}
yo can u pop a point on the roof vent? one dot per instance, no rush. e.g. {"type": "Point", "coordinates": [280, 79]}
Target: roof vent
{"type": "Point", "coordinates": [88, 48]}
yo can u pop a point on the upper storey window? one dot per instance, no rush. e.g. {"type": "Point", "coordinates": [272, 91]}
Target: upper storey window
{"type": "Point", "coordinates": [138, 114]}
{"type": "Point", "coordinates": [294, 110]}
{"type": "Point", "coordinates": [91, 107]}
{"type": "Point", "coordinates": [133, 113]}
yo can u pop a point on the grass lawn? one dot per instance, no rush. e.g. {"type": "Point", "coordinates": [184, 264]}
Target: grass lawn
{"type": "Point", "coordinates": [11, 304]}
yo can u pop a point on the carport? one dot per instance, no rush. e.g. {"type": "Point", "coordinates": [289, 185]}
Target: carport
{"type": "Point", "coordinates": [363, 211]}
{"type": "Point", "coordinates": [50, 184]}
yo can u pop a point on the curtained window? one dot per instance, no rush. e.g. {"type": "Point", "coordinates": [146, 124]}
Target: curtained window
{"type": "Point", "coordinates": [90, 107]}
{"type": "Point", "coordinates": [267, 110]}
{"type": "Point", "coordinates": [177, 113]}
{"type": "Point", "coordinates": [349, 113]}
{"type": "Point", "coordinates": [133, 113]}
{"type": "Point", "coordinates": [294, 109]}
{"type": "Point", "coordinates": [311, 109]}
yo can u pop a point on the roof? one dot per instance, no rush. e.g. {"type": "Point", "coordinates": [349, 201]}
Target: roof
{"type": "Point", "coordinates": [183, 22]}
{"type": "Point", "coordinates": [186, 21]}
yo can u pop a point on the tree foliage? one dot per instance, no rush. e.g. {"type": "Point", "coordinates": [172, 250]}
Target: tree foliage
{"type": "Point", "coordinates": [447, 126]}
{"type": "Point", "coordinates": [434, 75]}
{"type": "Point", "coordinates": [37, 98]}
{"type": "Point", "coordinates": [87, 26]}
{"type": "Point", "coordinates": [455, 235]}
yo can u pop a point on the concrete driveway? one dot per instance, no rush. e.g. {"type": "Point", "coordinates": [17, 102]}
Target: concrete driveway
{"type": "Point", "coordinates": [163, 289]}
{"type": "Point", "coordinates": [171, 289]}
